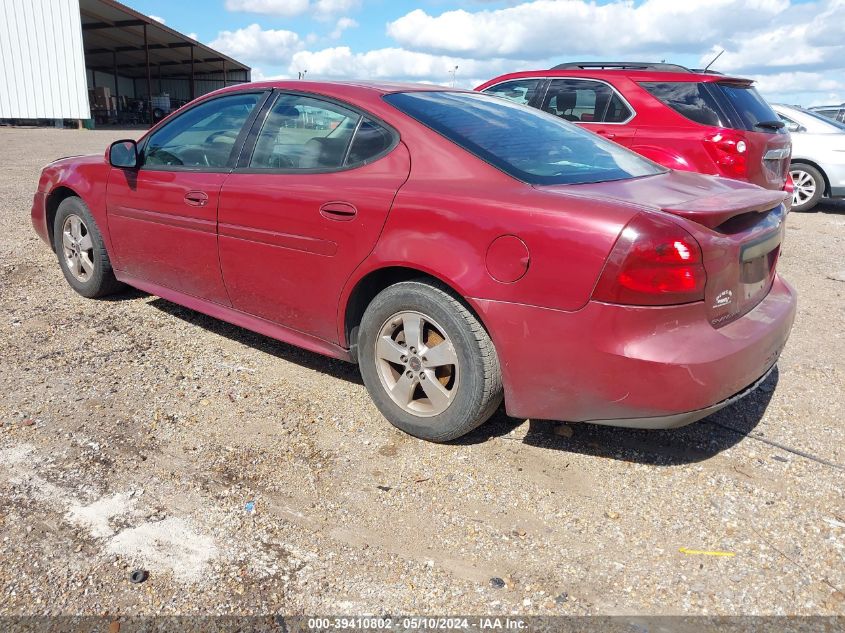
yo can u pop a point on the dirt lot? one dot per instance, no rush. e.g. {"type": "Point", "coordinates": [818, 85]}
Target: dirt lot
{"type": "Point", "coordinates": [248, 476]}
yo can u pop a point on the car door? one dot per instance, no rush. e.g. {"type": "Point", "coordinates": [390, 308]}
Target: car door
{"type": "Point", "coordinates": [163, 215]}
{"type": "Point", "coordinates": [592, 104]}
{"type": "Point", "coordinates": [304, 207]}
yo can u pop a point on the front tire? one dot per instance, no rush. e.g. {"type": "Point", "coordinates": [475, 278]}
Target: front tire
{"type": "Point", "coordinates": [429, 365]}
{"type": "Point", "coordinates": [809, 186]}
{"type": "Point", "coordinates": [81, 251]}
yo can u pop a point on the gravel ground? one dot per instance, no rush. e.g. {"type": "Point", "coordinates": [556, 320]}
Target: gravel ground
{"type": "Point", "coordinates": [250, 477]}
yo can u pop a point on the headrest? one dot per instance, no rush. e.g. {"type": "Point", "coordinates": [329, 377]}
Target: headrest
{"type": "Point", "coordinates": [565, 100]}
{"type": "Point", "coordinates": [286, 110]}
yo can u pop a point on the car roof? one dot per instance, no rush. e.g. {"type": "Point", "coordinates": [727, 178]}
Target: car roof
{"type": "Point", "coordinates": [635, 75]}
{"type": "Point", "coordinates": [341, 87]}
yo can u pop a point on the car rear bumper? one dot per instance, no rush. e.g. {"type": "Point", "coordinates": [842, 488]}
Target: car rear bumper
{"type": "Point", "coordinates": [682, 419]}
{"type": "Point", "coordinates": [644, 367]}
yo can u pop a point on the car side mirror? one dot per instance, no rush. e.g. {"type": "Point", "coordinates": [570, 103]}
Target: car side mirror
{"type": "Point", "coordinates": [124, 154]}
{"type": "Point", "coordinates": [794, 127]}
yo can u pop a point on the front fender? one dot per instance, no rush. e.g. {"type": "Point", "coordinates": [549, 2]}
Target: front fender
{"type": "Point", "coordinates": [85, 177]}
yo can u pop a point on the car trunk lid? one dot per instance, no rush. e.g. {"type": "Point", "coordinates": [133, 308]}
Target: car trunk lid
{"type": "Point", "coordinates": [738, 226]}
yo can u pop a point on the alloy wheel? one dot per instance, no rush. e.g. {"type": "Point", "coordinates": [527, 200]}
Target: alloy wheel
{"type": "Point", "coordinates": [805, 187]}
{"type": "Point", "coordinates": [417, 363]}
{"type": "Point", "coordinates": [78, 248]}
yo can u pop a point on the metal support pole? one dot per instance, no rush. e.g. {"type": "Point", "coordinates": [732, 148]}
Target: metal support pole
{"type": "Point", "coordinates": [224, 73]}
{"type": "Point", "coordinates": [149, 78]}
{"type": "Point", "coordinates": [192, 74]}
{"type": "Point", "coordinates": [116, 80]}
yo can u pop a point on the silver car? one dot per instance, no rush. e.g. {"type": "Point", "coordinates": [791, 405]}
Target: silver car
{"type": "Point", "coordinates": [836, 112]}
{"type": "Point", "coordinates": [818, 156]}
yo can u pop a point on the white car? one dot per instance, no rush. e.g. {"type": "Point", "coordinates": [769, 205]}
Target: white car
{"type": "Point", "coordinates": [818, 156]}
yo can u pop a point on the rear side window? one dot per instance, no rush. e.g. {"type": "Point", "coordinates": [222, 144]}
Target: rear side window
{"type": "Point", "coordinates": [370, 141]}
{"type": "Point", "coordinates": [304, 133]}
{"type": "Point", "coordinates": [690, 99]}
{"type": "Point", "coordinates": [585, 101]}
{"type": "Point", "coordinates": [518, 90]}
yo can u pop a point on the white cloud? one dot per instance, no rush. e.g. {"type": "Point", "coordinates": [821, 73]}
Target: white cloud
{"type": "Point", "coordinates": [328, 8]}
{"type": "Point", "coordinates": [533, 29]}
{"type": "Point", "coordinates": [254, 44]}
{"type": "Point", "coordinates": [780, 86]}
{"type": "Point", "coordinates": [286, 8]}
{"type": "Point", "coordinates": [811, 40]}
{"type": "Point", "coordinates": [341, 26]}
{"type": "Point", "coordinates": [158, 18]}
{"type": "Point", "coordinates": [395, 64]}
{"type": "Point", "coordinates": [259, 75]}
{"type": "Point", "coordinates": [795, 50]}
{"type": "Point", "coordinates": [322, 9]}
{"type": "Point", "coordinates": [797, 58]}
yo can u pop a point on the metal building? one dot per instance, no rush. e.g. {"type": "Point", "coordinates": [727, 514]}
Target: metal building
{"type": "Point", "coordinates": [99, 59]}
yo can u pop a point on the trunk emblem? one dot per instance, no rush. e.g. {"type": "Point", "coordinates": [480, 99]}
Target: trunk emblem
{"type": "Point", "coordinates": [723, 298]}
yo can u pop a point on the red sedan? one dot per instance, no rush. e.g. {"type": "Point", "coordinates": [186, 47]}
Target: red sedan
{"type": "Point", "coordinates": [460, 248]}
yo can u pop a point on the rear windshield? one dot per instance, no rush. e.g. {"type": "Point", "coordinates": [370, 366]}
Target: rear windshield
{"type": "Point", "coordinates": [748, 103]}
{"type": "Point", "coordinates": [717, 104]}
{"type": "Point", "coordinates": [528, 144]}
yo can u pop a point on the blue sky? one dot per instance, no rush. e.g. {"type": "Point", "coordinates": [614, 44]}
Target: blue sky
{"type": "Point", "coordinates": [795, 49]}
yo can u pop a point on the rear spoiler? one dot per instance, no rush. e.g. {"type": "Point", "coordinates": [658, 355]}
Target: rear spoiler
{"type": "Point", "coordinates": [711, 211]}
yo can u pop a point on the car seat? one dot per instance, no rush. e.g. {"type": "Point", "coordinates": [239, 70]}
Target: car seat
{"type": "Point", "coordinates": [323, 152]}
{"type": "Point", "coordinates": [564, 105]}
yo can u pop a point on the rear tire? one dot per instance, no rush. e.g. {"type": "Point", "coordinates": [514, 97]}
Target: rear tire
{"type": "Point", "coordinates": [429, 365]}
{"type": "Point", "coordinates": [82, 252]}
{"type": "Point", "coordinates": [809, 186]}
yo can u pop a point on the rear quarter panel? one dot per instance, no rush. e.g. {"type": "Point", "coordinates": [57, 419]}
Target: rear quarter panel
{"type": "Point", "coordinates": [454, 206]}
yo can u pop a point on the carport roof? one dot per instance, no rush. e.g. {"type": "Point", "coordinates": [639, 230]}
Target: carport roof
{"type": "Point", "coordinates": [109, 27]}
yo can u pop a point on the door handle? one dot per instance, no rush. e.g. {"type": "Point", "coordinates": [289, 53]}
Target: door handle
{"type": "Point", "coordinates": [339, 211]}
{"type": "Point", "coordinates": [196, 198]}
{"type": "Point", "coordinates": [607, 134]}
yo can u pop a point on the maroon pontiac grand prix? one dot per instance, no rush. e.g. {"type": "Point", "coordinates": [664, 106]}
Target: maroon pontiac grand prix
{"type": "Point", "coordinates": [459, 247]}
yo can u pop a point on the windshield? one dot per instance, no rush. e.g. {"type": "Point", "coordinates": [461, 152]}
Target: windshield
{"type": "Point", "coordinates": [528, 144]}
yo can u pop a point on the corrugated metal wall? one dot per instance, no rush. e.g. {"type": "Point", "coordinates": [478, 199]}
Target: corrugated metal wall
{"type": "Point", "coordinates": [42, 62]}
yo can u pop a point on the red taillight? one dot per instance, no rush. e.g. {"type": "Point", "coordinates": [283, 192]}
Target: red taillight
{"type": "Point", "coordinates": [729, 151]}
{"type": "Point", "coordinates": [654, 262]}
{"type": "Point", "coordinates": [789, 186]}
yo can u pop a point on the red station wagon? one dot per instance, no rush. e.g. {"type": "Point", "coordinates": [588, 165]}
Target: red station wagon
{"type": "Point", "coordinates": [459, 247]}
{"type": "Point", "coordinates": [682, 119]}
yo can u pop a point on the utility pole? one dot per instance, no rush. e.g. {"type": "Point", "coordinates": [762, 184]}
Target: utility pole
{"type": "Point", "coordinates": [453, 72]}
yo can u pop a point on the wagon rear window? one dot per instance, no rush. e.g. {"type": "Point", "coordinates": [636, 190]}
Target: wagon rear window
{"type": "Point", "coordinates": [721, 104]}
{"type": "Point", "coordinates": [528, 144]}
